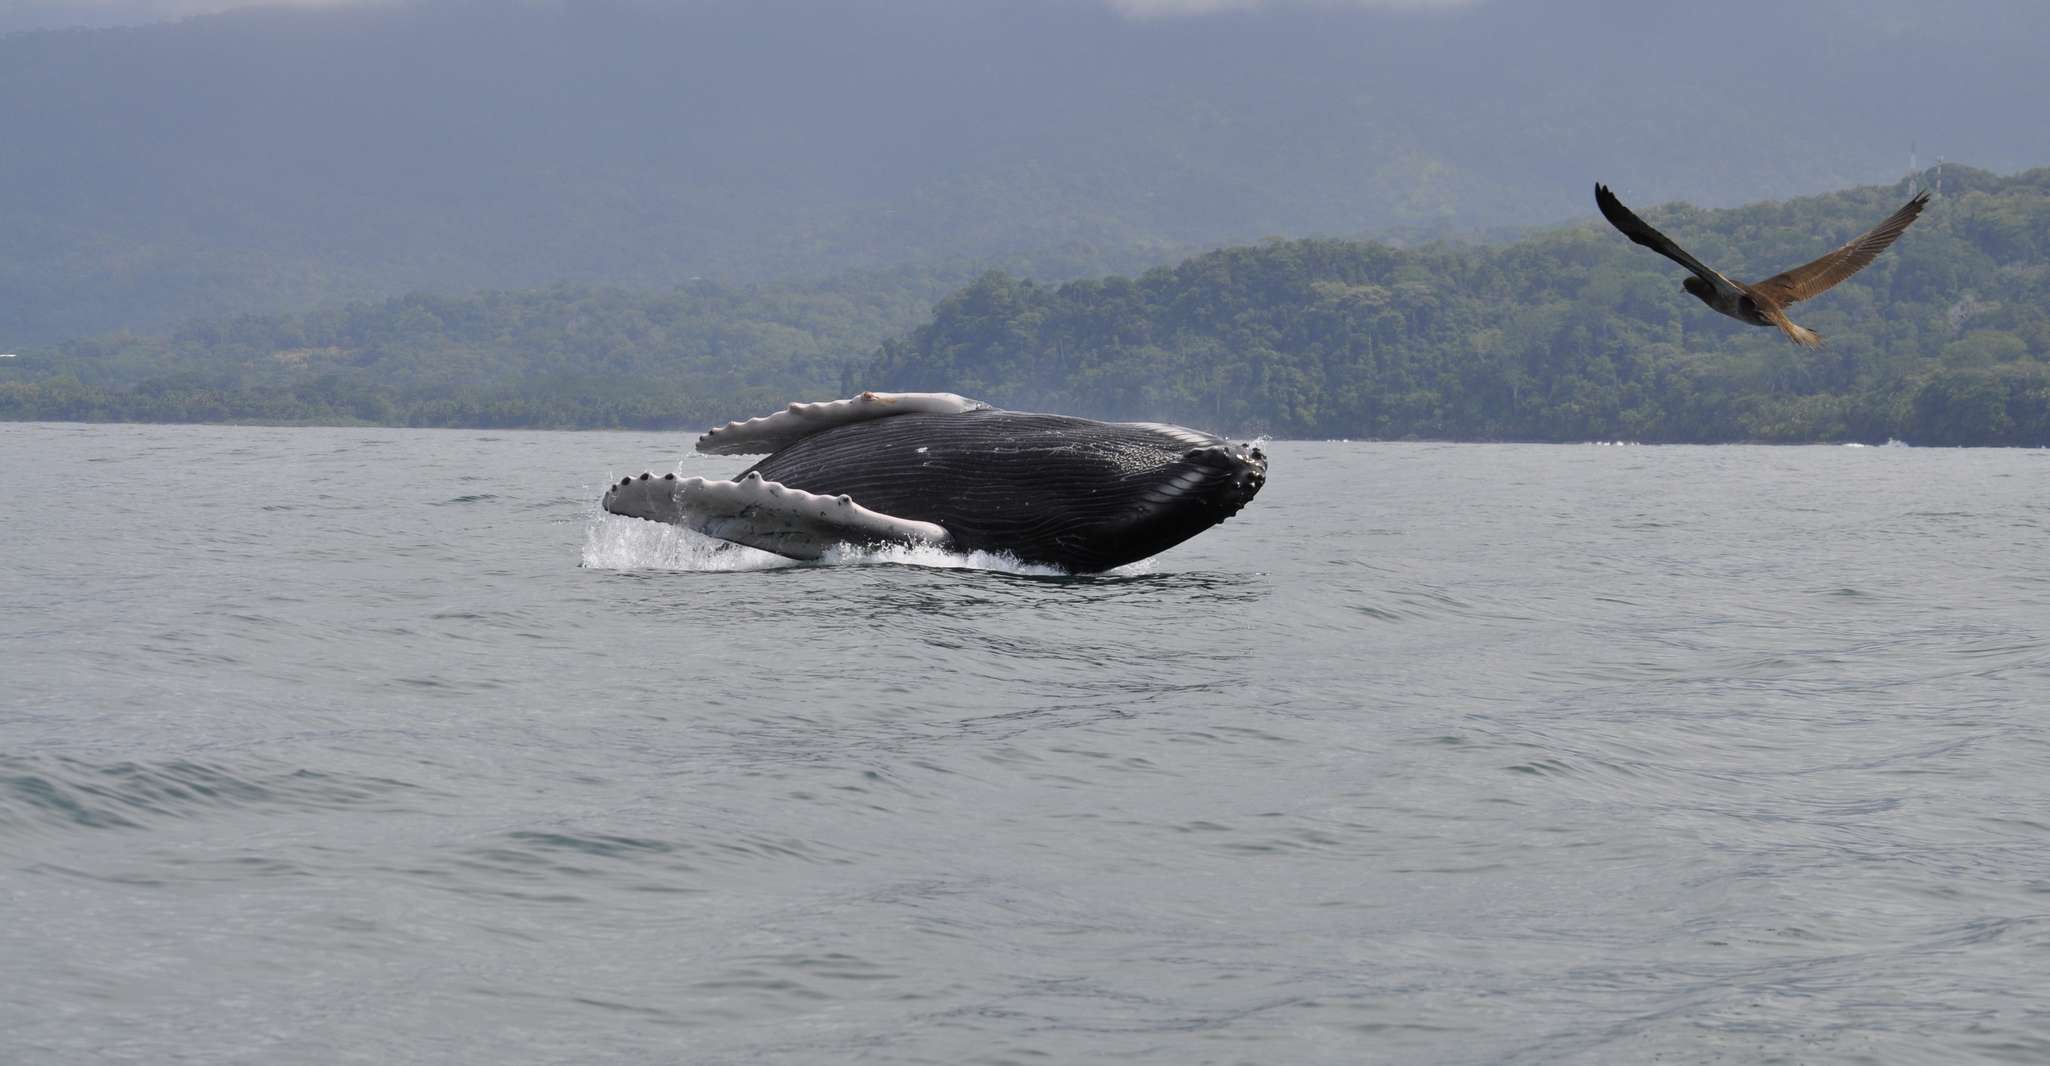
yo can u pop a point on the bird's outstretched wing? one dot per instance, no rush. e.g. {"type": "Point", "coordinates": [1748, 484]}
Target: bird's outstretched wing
{"type": "Point", "coordinates": [1818, 277]}
{"type": "Point", "coordinates": [1640, 231]}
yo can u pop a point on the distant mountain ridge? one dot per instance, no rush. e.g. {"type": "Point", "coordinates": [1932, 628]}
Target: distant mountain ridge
{"type": "Point", "coordinates": [562, 356]}
{"type": "Point", "coordinates": [1575, 334]}
{"type": "Point", "coordinates": [274, 160]}
{"type": "Point", "coordinates": [1569, 334]}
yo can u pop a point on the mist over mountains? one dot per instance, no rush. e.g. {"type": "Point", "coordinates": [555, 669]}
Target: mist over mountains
{"type": "Point", "coordinates": [270, 159]}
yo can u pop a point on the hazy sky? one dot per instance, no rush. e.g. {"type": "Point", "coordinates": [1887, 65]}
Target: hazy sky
{"type": "Point", "coordinates": [1199, 7]}
{"type": "Point", "coordinates": [143, 9]}
{"type": "Point", "coordinates": [30, 14]}
{"type": "Point", "coordinates": [53, 14]}
{"type": "Point", "coordinates": [235, 163]}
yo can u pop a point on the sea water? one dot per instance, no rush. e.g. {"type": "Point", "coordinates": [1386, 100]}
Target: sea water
{"type": "Point", "coordinates": [387, 746]}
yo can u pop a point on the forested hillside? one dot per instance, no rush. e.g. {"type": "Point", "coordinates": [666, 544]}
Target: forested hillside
{"type": "Point", "coordinates": [270, 160]}
{"type": "Point", "coordinates": [567, 355]}
{"type": "Point", "coordinates": [1571, 335]}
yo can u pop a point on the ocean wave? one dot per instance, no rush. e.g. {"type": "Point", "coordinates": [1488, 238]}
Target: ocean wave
{"type": "Point", "coordinates": [72, 793]}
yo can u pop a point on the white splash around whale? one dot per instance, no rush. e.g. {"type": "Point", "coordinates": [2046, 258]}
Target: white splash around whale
{"type": "Point", "coordinates": [612, 542]}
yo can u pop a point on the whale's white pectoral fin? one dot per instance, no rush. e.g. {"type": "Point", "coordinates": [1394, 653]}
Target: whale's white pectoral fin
{"type": "Point", "coordinates": [766, 515]}
{"type": "Point", "coordinates": [759, 436]}
{"type": "Point", "coordinates": [791, 522]}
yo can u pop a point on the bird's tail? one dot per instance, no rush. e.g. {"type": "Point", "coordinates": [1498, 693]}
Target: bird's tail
{"type": "Point", "coordinates": [1801, 335]}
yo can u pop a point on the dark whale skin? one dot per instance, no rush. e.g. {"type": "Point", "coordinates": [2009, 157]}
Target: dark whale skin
{"type": "Point", "coordinates": [1074, 493]}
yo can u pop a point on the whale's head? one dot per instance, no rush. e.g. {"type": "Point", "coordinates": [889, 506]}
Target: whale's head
{"type": "Point", "coordinates": [1148, 500]}
{"type": "Point", "coordinates": [1232, 475]}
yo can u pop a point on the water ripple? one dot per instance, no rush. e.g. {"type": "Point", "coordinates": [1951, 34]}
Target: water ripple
{"type": "Point", "coordinates": [57, 791]}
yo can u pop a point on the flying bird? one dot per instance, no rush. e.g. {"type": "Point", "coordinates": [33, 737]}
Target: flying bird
{"type": "Point", "coordinates": [1764, 303]}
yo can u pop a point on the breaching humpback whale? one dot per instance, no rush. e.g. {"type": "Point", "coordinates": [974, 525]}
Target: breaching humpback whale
{"type": "Point", "coordinates": [940, 469]}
